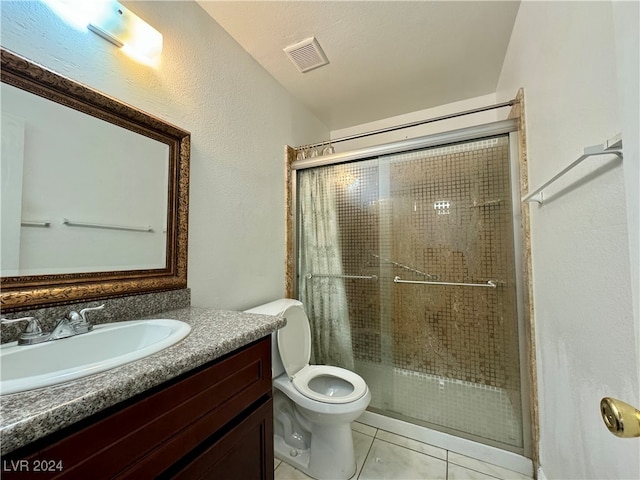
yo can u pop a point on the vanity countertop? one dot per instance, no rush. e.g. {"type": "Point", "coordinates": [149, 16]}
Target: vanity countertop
{"type": "Point", "coordinates": [28, 416]}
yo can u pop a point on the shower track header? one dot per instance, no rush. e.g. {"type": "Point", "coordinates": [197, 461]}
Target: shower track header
{"type": "Point", "coordinates": [510, 103]}
{"type": "Point", "coordinates": [438, 139]}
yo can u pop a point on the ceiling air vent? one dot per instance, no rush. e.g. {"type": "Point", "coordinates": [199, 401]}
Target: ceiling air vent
{"type": "Point", "coordinates": [306, 55]}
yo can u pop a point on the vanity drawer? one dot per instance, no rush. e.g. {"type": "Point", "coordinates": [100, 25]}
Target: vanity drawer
{"type": "Point", "coordinates": [151, 432]}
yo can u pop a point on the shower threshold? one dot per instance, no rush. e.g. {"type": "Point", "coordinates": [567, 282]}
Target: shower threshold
{"type": "Point", "coordinates": [485, 453]}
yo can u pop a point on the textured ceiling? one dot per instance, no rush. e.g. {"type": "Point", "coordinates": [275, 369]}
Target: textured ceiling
{"type": "Point", "coordinates": [386, 57]}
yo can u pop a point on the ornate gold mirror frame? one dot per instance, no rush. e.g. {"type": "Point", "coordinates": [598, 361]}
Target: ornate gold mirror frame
{"type": "Point", "coordinates": [23, 292]}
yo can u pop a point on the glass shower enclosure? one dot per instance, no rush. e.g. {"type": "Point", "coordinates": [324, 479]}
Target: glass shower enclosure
{"type": "Point", "coordinates": [407, 269]}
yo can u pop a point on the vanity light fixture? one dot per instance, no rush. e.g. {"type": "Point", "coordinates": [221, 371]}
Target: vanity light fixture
{"type": "Point", "coordinates": [115, 23]}
{"type": "Point", "coordinates": [126, 30]}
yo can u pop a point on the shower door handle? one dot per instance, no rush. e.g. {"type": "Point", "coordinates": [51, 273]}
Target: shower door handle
{"type": "Point", "coordinates": [621, 419]}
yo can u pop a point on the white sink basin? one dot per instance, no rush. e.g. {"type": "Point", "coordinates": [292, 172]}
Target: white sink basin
{"type": "Point", "coordinates": [106, 346]}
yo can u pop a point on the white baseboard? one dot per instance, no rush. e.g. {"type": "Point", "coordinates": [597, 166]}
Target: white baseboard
{"type": "Point", "coordinates": [540, 474]}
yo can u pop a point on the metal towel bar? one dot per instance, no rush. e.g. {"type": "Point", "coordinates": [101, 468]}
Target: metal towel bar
{"type": "Point", "coordinates": [489, 284]}
{"type": "Point", "coordinates": [69, 223]}
{"type": "Point", "coordinates": [609, 148]}
{"type": "Point", "coordinates": [31, 223]}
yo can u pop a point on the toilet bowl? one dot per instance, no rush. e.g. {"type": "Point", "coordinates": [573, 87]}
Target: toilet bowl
{"type": "Point", "coordinates": [314, 405]}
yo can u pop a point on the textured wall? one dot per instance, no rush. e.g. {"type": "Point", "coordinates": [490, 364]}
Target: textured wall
{"type": "Point", "coordinates": [564, 55]}
{"type": "Point", "coordinates": [239, 118]}
{"type": "Point", "coordinates": [626, 20]}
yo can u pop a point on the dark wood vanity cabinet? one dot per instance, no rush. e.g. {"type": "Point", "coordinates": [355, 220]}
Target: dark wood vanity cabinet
{"type": "Point", "coordinates": [215, 422]}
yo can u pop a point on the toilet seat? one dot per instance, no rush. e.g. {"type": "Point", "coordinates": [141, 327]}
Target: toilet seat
{"type": "Point", "coordinates": [342, 386]}
{"type": "Point", "coordinates": [322, 383]}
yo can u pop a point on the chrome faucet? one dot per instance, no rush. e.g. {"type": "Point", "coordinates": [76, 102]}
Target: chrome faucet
{"type": "Point", "coordinates": [33, 333]}
{"type": "Point", "coordinates": [73, 324]}
{"type": "Point", "coordinates": [78, 321]}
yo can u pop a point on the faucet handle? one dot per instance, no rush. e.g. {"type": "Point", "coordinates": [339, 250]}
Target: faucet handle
{"type": "Point", "coordinates": [78, 321]}
{"type": "Point", "coordinates": [81, 317]}
{"type": "Point", "coordinates": [33, 327]}
{"type": "Point", "coordinates": [14, 320]}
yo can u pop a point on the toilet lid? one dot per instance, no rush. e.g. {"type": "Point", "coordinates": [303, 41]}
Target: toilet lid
{"type": "Point", "coordinates": [294, 341]}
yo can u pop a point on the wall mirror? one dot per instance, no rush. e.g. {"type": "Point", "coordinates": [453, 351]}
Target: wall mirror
{"type": "Point", "coordinates": [94, 193]}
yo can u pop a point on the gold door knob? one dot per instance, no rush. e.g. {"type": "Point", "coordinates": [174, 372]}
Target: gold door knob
{"type": "Point", "coordinates": [621, 419]}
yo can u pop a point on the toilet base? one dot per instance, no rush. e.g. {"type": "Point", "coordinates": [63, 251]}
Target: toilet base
{"type": "Point", "coordinates": [333, 456]}
{"type": "Point", "coordinates": [293, 456]}
{"type": "Point", "coordinates": [317, 444]}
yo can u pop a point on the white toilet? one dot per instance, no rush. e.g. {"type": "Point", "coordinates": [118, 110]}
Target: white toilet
{"type": "Point", "coordinates": [313, 405]}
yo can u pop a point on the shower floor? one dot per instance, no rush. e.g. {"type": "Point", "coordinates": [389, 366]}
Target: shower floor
{"type": "Point", "coordinates": [478, 412]}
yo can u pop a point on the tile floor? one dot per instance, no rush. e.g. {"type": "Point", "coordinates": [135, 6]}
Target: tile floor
{"type": "Point", "coordinates": [384, 455]}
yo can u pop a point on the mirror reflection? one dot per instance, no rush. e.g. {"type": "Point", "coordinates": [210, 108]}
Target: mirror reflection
{"type": "Point", "coordinates": [95, 193]}
{"type": "Point", "coordinates": [79, 194]}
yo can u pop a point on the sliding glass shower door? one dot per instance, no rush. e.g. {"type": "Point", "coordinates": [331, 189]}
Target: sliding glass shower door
{"type": "Point", "coordinates": [421, 301]}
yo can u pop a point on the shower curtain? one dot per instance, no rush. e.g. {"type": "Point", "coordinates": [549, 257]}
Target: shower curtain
{"type": "Point", "coordinates": [322, 288]}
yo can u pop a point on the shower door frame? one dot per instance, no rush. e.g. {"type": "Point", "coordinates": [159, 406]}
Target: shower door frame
{"type": "Point", "coordinates": [503, 127]}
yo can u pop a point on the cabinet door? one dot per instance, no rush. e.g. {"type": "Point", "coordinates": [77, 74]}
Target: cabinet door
{"type": "Point", "coordinates": [246, 451]}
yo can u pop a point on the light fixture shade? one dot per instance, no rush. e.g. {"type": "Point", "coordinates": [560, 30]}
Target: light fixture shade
{"type": "Point", "coordinates": [115, 23]}
{"type": "Point", "coordinates": [111, 24]}
{"type": "Point", "coordinates": [125, 29]}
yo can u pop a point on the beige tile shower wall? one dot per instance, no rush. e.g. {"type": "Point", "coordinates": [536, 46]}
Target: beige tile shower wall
{"type": "Point", "coordinates": [463, 333]}
{"type": "Point", "coordinates": [466, 333]}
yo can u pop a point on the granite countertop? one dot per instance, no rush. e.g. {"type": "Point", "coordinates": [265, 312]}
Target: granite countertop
{"type": "Point", "coordinates": [28, 416]}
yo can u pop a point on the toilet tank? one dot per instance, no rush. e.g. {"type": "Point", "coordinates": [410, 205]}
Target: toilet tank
{"type": "Point", "coordinates": [275, 308]}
